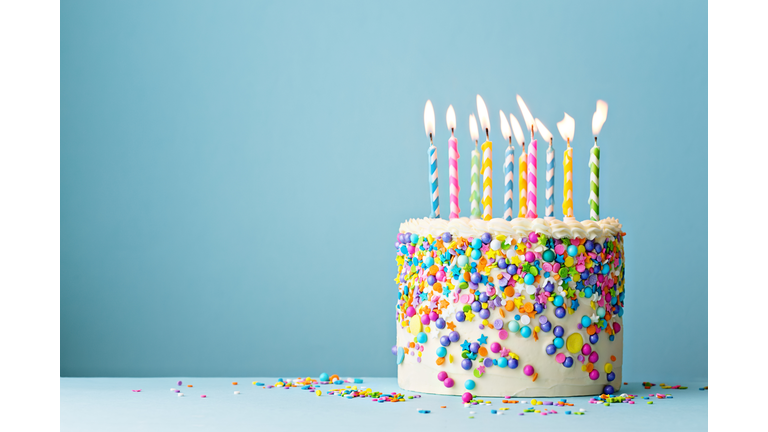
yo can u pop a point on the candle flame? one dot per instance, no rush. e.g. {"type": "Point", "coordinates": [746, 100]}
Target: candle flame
{"type": "Point", "coordinates": [482, 112]}
{"type": "Point", "coordinates": [506, 132]}
{"type": "Point", "coordinates": [519, 137]}
{"type": "Point", "coordinates": [543, 131]}
{"type": "Point", "coordinates": [450, 118]}
{"type": "Point", "coordinates": [566, 127]}
{"type": "Point", "coordinates": [598, 119]}
{"type": "Point", "coordinates": [429, 119]}
{"type": "Point", "coordinates": [473, 127]}
{"type": "Point", "coordinates": [527, 117]}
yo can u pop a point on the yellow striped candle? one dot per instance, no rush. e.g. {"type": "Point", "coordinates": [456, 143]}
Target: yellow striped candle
{"type": "Point", "coordinates": [487, 169]}
{"type": "Point", "coordinates": [566, 128]}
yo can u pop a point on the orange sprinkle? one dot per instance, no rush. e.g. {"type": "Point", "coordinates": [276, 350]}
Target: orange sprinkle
{"type": "Point", "coordinates": [528, 307]}
{"type": "Point", "coordinates": [440, 360]}
{"type": "Point", "coordinates": [536, 375]}
{"type": "Point", "coordinates": [590, 366]}
{"type": "Point", "coordinates": [331, 378]}
{"type": "Point", "coordinates": [466, 276]}
{"type": "Point", "coordinates": [437, 286]}
{"type": "Point", "coordinates": [490, 326]}
{"type": "Point", "coordinates": [556, 276]}
{"type": "Point", "coordinates": [189, 385]}
{"type": "Point", "coordinates": [613, 358]}
{"type": "Point", "coordinates": [535, 336]}
{"type": "Point", "coordinates": [607, 315]}
{"type": "Point", "coordinates": [483, 352]}
{"type": "Point", "coordinates": [505, 401]}
{"type": "Point", "coordinates": [591, 329]}
{"type": "Point", "coordinates": [412, 345]}
{"type": "Point", "coordinates": [234, 383]}
{"type": "Point", "coordinates": [443, 406]}
{"type": "Point", "coordinates": [537, 278]}
{"type": "Point", "coordinates": [510, 306]}
{"type": "Point", "coordinates": [509, 291]}
{"type": "Point", "coordinates": [501, 312]}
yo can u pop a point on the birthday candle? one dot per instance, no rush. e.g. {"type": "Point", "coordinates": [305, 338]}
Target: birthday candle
{"type": "Point", "coordinates": [453, 164]}
{"type": "Point", "coordinates": [429, 126]}
{"type": "Point", "coordinates": [435, 192]}
{"type": "Point", "coordinates": [509, 180]}
{"type": "Point", "coordinates": [532, 161]}
{"type": "Point", "coordinates": [487, 167]}
{"type": "Point", "coordinates": [594, 182]}
{"type": "Point", "coordinates": [547, 136]}
{"type": "Point", "coordinates": [509, 168]}
{"type": "Point", "coordinates": [532, 165]}
{"type": "Point", "coordinates": [566, 128]}
{"type": "Point", "coordinates": [598, 119]}
{"type": "Point", "coordinates": [550, 211]}
{"type": "Point", "coordinates": [474, 197]}
{"type": "Point", "coordinates": [523, 180]}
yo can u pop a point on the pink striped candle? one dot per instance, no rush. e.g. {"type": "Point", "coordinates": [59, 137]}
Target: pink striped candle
{"type": "Point", "coordinates": [453, 172]}
{"type": "Point", "coordinates": [532, 213]}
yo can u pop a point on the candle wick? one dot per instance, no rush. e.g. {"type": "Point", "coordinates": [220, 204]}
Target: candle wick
{"type": "Point", "coordinates": [595, 139]}
{"type": "Point", "coordinates": [451, 131]}
{"type": "Point", "coordinates": [487, 136]}
{"type": "Point", "coordinates": [550, 143]}
{"type": "Point", "coordinates": [430, 138]}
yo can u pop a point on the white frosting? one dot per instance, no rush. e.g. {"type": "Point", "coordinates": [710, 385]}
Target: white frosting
{"type": "Point", "coordinates": [516, 228]}
{"type": "Point", "coordinates": [553, 378]}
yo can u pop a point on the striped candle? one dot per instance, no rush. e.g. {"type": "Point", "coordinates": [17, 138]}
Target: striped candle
{"type": "Point", "coordinates": [453, 172]}
{"type": "Point", "coordinates": [568, 181]}
{"type": "Point", "coordinates": [532, 182]}
{"type": "Point", "coordinates": [435, 193]}
{"type": "Point", "coordinates": [550, 212]}
{"type": "Point", "coordinates": [521, 187]}
{"type": "Point", "coordinates": [509, 181]}
{"type": "Point", "coordinates": [487, 170]}
{"type": "Point", "coordinates": [594, 182]}
{"type": "Point", "coordinates": [474, 197]}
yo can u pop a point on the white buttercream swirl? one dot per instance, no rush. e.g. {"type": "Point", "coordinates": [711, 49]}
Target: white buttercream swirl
{"type": "Point", "coordinates": [516, 228]}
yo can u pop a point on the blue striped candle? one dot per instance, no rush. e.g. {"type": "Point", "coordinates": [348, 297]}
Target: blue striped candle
{"type": "Point", "coordinates": [509, 176]}
{"type": "Point", "coordinates": [434, 191]}
{"type": "Point", "coordinates": [550, 181]}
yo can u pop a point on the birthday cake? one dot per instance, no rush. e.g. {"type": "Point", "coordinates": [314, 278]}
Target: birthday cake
{"type": "Point", "coordinates": [521, 307]}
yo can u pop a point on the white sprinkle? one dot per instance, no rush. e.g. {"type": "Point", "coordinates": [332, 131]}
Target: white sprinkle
{"type": "Point", "coordinates": [472, 412]}
{"type": "Point", "coordinates": [582, 410]}
{"type": "Point", "coordinates": [173, 389]}
{"type": "Point", "coordinates": [179, 394]}
{"type": "Point", "coordinates": [237, 392]}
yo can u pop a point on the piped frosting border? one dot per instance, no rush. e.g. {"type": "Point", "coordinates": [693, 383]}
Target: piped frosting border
{"type": "Point", "coordinates": [516, 228]}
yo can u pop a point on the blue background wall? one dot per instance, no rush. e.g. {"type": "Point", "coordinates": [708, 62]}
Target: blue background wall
{"type": "Point", "coordinates": [233, 174]}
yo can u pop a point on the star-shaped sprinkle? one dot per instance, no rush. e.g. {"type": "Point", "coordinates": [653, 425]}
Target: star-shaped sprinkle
{"type": "Point", "coordinates": [465, 346]}
{"type": "Point", "coordinates": [469, 316]}
{"type": "Point", "coordinates": [451, 325]}
{"type": "Point", "coordinates": [481, 369]}
{"type": "Point", "coordinates": [483, 339]}
{"type": "Point", "coordinates": [504, 352]}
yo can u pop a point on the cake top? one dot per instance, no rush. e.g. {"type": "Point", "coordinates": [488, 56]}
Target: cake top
{"type": "Point", "coordinates": [516, 228]}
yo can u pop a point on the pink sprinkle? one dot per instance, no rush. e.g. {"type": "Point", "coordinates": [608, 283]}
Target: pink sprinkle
{"type": "Point", "coordinates": [136, 391]}
{"type": "Point", "coordinates": [202, 396]}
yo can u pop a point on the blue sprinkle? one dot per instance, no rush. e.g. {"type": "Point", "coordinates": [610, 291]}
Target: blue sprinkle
{"type": "Point", "coordinates": [493, 411]}
{"type": "Point", "coordinates": [568, 413]}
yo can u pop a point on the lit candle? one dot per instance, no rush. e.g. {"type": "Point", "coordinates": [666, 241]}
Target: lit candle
{"type": "Point", "coordinates": [532, 160]}
{"type": "Point", "coordinates": [601, 113]}
{"type": "Point", "coordinates": [523, 162]}
{"type": "Point", "coordinates": [544, 132]}
{"type": "Point", "coordinates": [453, 163]}
{"type": "Point", "coordinates": [566, 128]}
{"type": "Point", "coordinates": [474, 197]}
{"type": "Point", "coordinates": [509, 168]}
{"type": "Point", "coordinates": [487, 168]}
{"type": "Point", "coordinates": [429, 125]}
